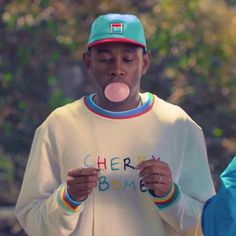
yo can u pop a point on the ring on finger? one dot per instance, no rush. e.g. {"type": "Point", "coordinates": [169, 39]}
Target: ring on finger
{"type": "Point", "coordinates": [159, 178]}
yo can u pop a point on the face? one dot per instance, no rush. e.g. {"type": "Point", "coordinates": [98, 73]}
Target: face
{"type": "Point", "coordinates": [117, 62]}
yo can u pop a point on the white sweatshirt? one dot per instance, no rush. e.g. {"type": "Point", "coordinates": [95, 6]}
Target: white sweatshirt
{"type": "Point", "coordinates": [82, 134]}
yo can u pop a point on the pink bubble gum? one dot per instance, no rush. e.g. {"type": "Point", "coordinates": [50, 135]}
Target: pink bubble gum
{"type": "Point", "coordinates": [116, 91]}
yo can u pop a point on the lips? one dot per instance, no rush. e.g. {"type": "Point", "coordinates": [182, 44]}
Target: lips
{"type": "Point", "coordinates": [116, 91]}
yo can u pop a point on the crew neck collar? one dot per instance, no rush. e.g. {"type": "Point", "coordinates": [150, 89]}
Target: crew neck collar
{"type": "Point", "coordinates": [147, 103]}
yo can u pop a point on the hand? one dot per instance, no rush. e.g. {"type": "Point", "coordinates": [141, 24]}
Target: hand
{"type": "Point", "coordinates": [156, 175]}
{"type": "Point", "coordinates": [81, 182]}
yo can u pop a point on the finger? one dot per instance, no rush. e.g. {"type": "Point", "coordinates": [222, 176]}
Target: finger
{"type": "Point", "coordinates": [71, 180]}
{"type": "Point", "coordinates": [156, 179]}
{"type": "Point", "coordinates": [79, 196]}
{"type": "Point", "coordinates": [85, 193]}
{"type": "Point", "coordinates": [83, 171]}
{"type": "Point", "coordinates": [160, 189]}
{"type": "Point", "coordinates": [155, 170]}
{"type": "Point", "coordinates": [81, 191]}
{"type": "Point", "coordinates": [154, 185]}
{"type": "Point", "coordinates": [151, 162]}
{"type": "Point", "coordinates": [82, 187]}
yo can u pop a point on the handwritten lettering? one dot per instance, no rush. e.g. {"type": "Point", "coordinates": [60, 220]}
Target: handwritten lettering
{"type": "Point", "coordinates": [105, 184]}
{"type": "Point", "coordinates": [104, 163]}
{"type": "Point", "coordinates": [108, 182]}
{"type": "Point", "coordinates": [127, 163]}
{"type": "Point", "coordinates": [114, 163]}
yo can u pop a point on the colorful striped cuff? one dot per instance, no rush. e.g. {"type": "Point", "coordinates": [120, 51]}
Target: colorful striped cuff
{"type": "Point", "coordinates": [167, 200]}
{"type": "Point", "coordinates": [65, 201]}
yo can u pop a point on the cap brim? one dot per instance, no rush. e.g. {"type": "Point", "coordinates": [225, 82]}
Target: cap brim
{"type": "Point", "coordinates": [115, 40]}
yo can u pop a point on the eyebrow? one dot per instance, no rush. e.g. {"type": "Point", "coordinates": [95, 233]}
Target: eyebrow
{"type": "Point", "coordinates": [104, 50]}
{"type": "Point", "coordinates": [99, 51]}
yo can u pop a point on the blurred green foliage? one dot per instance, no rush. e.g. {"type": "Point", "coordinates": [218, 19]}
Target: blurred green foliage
{"type": "Point", "coordinates": [193, 64]}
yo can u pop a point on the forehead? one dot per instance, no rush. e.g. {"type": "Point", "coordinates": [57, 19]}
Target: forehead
{"type": "Point", "coordinates": [116, 48]}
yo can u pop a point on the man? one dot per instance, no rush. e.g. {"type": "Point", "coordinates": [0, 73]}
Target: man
{"type": "Point", "coordinates": [219, 212]}
{"type": "Point", "coordinates": [116, 162]}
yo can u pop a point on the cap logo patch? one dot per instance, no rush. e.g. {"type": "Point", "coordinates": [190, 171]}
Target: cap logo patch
{"type": "Point", "coordinates": [116, 28]}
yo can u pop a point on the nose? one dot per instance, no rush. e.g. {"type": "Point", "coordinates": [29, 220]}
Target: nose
{"type": "Point", "coordinates": [117, 68]}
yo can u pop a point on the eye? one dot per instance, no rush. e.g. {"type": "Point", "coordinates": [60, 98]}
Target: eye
{"type": "Point", "coordinates": [128, 59]}
{"type": "Point", "coordinates": [105, 59]}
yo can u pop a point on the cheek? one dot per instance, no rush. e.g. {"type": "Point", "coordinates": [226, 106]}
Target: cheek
{"type": "Point", "coordinates": [98, 72]}
{"type": "Point", "coordinates": [95, 71]}
{"type": "Point", "coordinates": [136, 74]}
{"type": "Point", "coordinates": [98, 77]}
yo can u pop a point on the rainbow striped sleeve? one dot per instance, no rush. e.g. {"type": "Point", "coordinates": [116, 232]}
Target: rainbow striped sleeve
{"type": "Point", "coordinates": [167, 200]}
{"type": "Point", "coordinates": [65, 201]}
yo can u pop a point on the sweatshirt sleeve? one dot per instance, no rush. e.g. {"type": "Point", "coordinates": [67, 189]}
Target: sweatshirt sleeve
{"type": "Point", "coordinates": [42, 207]}
{"type": "Point", "coordinates": [182, 209]}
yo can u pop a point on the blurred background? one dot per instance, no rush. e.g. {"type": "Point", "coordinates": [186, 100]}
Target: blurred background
{"type": "Point", "coordinates": [193, 46]}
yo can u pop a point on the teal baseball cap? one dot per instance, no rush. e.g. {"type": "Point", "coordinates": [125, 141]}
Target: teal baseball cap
{"type": "Point", "coordinates": [120, 28]}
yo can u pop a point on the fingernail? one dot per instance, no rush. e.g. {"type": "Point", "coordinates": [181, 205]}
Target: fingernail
{"type": "Point", "coordinates": [137, 167]}
{"type": "Point", "coordinates": [97, 171]}
{"type": "Point", "coordinates": [71, 170]}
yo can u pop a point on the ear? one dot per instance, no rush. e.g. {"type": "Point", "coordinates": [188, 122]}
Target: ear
{"type": "Point", "coordinates": [87, 60]}
{"type": "Point", "coordinates": [146, 62]}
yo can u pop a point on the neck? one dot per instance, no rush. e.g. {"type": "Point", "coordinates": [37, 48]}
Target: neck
{"type": "Point", "coordinates": [126, 105]}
